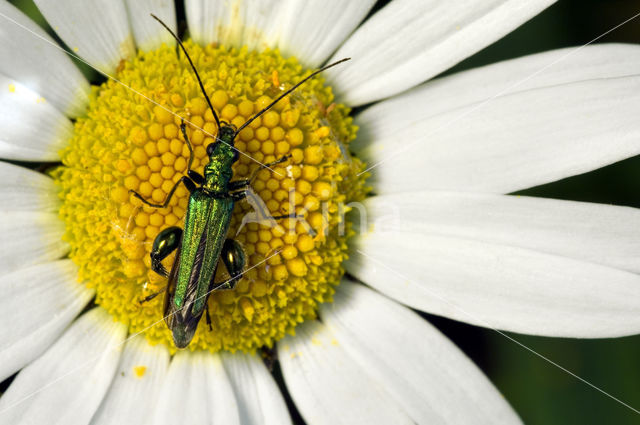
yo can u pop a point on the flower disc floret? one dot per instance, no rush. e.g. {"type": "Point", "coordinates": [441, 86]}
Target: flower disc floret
{"type": "Point", "coordinates": [132, 141]}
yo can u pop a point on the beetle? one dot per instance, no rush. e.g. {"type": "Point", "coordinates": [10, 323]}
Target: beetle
{"type": "Point", "coordinates": [203, 242]}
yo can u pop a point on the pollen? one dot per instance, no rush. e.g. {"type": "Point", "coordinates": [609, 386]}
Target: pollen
{"type": "Point", "coordinates": [139, 371]}
{"type": "Point", "coordinates": [132, 141]}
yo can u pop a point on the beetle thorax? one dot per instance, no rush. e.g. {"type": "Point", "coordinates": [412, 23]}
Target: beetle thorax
{"type": "Point", "coordinates": [218, 171]}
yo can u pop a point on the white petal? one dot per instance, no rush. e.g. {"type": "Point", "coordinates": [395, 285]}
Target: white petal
{"type": "Point", "coordinates": [29, 238]}
{"type": "Point", "coordinates": [552, 68]}
{"type": "Point", "coordinates": [409, 41]}
{"type": "Point", "coordinates": [23, 189]}
{"type": "Point", "coordinates": [31, 56]}
{"type": "Point", "coordinates": [66, 384]}
{"type": "Point", "coordinates": [254, 23]}
{"type": "Point", "coordinates": [259, 399]}
{"type": "Point", "coordinates": [420, 368]}
{"type": "Point", "coordinates": [136, 384]}
{"type": "Point", "coordinates": [196, 391]}
{"type": "Point", "coordinates": [148, 33]}
{"type": "Point", "coordinates": [312, 30]}
{"type": "Point", "coordinates": [96, 30]}
{"type": "Point", "coordinates": [494, 130]}
{"type": "Point", "coordinates": [499, 286]}
{"type": "Point", "coordinates": [31, 129]}
{"type": "Point", "coordinates": [329, 386]}
{"type": "Point", "coordinates": [602, 234]}
{"type": "Point", "coordinates": [39, 302]}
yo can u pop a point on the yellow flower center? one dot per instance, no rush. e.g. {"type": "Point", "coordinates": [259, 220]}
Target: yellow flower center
{"type": "Point", "coordinates": [133, 142]}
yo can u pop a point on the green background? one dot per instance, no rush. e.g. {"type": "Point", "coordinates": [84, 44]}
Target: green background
{"type": "Point", "coordinates": [540, 392]}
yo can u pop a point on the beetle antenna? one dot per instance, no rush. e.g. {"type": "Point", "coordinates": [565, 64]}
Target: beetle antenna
{"type": "Point", "coordinates": [215, 116]}
{"type": "Point", "coordinates": [304, 80]}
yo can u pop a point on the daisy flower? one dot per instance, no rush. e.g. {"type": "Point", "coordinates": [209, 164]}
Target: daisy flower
{"type": "Point", "coordinates": [422, 171]}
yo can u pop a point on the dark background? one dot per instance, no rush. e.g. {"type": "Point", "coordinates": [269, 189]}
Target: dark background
{"type": "Point", "coordinates": [540, 392]}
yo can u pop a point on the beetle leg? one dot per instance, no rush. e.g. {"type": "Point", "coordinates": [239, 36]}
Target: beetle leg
{"type": "Point", "coordinates": [193, 175]}
{"type": "Point", "coordinates": [208, 316]}
{"type": "Point", "coordinates": [188, 183]}
{"type": "Point", "coordinates": [152, 296]}
{"type": "Point", "coordinates": [227, 285]}
{"type": "Point", "coordinates": [234, 260]}
{"type": "Point", "coordinates": [242, 194]}
{"type": "Point", "coordinates": [183, 128]}
{"type": "Point", "coordinates": [165, 243]}
{"type": "Point", "coordinates": [241, 184]}
{"type": "Point", "coordinates": [190, 180]}
{"type": "Point", "coordinates": [280, 217]}
{"type": "Point", "coordinates": [196, 177]}
{"type": "Point", "coordinates": [307, 226]}
{"type": "Point", "coordinates": [238, 195]}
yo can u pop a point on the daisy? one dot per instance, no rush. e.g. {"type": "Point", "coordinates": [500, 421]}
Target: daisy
{"type": "Point", "coordinates": [431, 228]}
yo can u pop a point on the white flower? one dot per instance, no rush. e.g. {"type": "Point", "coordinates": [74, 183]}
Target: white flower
{"type": "Point", "coordinates": [444, 154]}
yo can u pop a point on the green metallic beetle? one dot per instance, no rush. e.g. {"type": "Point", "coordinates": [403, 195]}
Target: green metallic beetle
{"type": "Point", "coordinates": [203, 241]}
